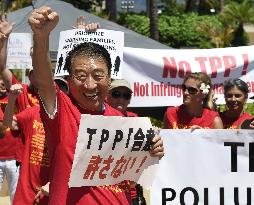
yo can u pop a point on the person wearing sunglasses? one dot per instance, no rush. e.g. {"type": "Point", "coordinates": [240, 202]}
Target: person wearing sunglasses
{"type": "Point", "coordinates": [197, 110]}
{"type": "Point", "coordinates": [119, 96]}
{"type": "Point", "coordinates": [236, 95]}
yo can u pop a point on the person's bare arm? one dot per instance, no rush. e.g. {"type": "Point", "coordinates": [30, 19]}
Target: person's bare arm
{"type": "Point", "coordinates": [42, 22]}
{"type": "Point", "coordinates": [15, 90]}
{"type": "Point", "coordinates": [218, 123]}
{"type": "Point", "coordinates": [5, 30]}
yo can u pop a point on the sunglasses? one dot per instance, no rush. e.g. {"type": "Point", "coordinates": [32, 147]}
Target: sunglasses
{"type": "Point", "coordinates": [191, 90]}
{"type": "Point", "coordinates": [116, 94]}
{"type": "Point", "coordinates": [232, 95]}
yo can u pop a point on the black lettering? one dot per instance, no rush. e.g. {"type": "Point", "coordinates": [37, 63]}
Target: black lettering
{"type": "Point", "coordinates": [221, 196]}
{"type": "Point", "coordinates": [129, 136]}
{"type": "Point", "coordinates": [195, 194]}
{"type": "Point", "coordinates": [104, 137]}
{"type": "Point", "coordinates": [149, 139]}
{"type": "Point", "coordinates": [236, 196]}
{"type": "Point", "coordinates": [164, 195]}
{"type": "Point", "coordinates": [234, 146]}
{"type": "Point", "coordinates": [118, 138]}
{"type": "Point", "coordinates": [206, 197]}
{"type": "Point", "coordinates": [251, 157]}
{"type": "Point", "coordinates": [138, 140]}
{"type": "Point", "coordinates": [91, 132]}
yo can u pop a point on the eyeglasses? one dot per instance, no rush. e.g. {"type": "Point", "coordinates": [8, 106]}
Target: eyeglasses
{"type": "Point", "coordinates": [116, 94]}
{"type": "Point", "coordinates": [191, 90]}
{"type": "Point", "coordinates": [229, 95]}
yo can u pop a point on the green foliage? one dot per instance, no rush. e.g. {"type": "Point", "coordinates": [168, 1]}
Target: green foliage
{"type": "Point", "coordinates": [156, 123]}
{"type": "Point", "coordinates": [173, 8]}
{"type": "Point", "coordinates": [250, 109]}
{"type": "Point", "coordinates": [137, 23]}
{"type": "Point", "coordinates": [175, 31]}
{"type": "Point", "coordinates": [15, 5]}
{"type": "Point", "coordinates": [181, 31]}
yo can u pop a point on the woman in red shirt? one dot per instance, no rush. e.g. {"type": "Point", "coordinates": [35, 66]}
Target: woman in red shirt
{"type": "Point", "coordinates": [197, 110]}
{"type": "Point", "coordinates": [236, 95]}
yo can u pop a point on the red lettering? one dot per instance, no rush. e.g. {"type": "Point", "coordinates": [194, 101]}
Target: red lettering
{"type": "Point", "coordinates": [141, 164]}
{"type": "Point", "coordinates": [229, 63]}
{"type": "Point", "coordinates": [136, 89]}
{"type": "Point", "coordinates": [245, 63]}
{"type": "Point", "coordinates": [202, 61]}
{"type": "Point", "coordinates": [215, 63]}
{"type": "Point", "coordinates": [169, 68]}
{"type": "Point", "coordinates": [141, 90]}
{"type": "Point", "coordinates": [184, 66]}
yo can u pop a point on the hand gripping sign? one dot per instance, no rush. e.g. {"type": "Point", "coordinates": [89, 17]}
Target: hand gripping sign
{"type": "Point", "coordinates": [110, 150]}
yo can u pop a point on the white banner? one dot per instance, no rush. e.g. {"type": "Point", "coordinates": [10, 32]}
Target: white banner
{"type": "Point", "coordinates": [157, 75]}
{"type": "Point", "coordinates": [113, 41]}
{"type": "Point", "coordinates": [110, 150]}
{"type": "Point", "coordinates": [19, 46]}
{"type": "Point", "coordinates": [205, 167]}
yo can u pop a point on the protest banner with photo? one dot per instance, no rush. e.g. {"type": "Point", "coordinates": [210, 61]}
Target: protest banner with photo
{"type": "Point", "coordinates": [204, 167]}
{"type": "Point", "coordinates": [156, 75]}
{"type": "Point", "coordinates": [110, 150]}
{"type": "Point", "coordinates": [113, 41]}
{"type": "Point", "coordinates": [19, 46]}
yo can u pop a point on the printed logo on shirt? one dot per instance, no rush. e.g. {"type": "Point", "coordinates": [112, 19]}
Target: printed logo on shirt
{"type": "Point", "coordinates": [118, 188]}
{"type": "Point", "coordinates": [39, 151]}
{"type": "Point", "coordinates": [182, 126]}
{"type": "Point", "coordinates": [32, 100]}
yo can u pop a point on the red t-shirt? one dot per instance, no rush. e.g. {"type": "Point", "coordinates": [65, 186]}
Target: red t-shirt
{"type": "Point", "coordinates": [8, 143]}
{"type": "Point", "coordinates": [34, 171]}
{"type": "Point", "coordinates": [231, 123]}
{"type": "Point", "coordinates": [62, 133]}
{"type": "Point", "coordinates": [177, 118]}
{"type": "Point", "coordinates": [28, 98]}
{"type": "Point", "coordinates": [130, 114]}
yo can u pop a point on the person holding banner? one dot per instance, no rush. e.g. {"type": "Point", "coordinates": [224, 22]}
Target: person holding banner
{"type": "Point", "coordinates": [119, 97]}
{"type": "Point", "coordinates": [236, 94]}
{"type": "Point", "coordinates": [89, 68]}
{"type": "Point", "coordinates": [197, 110]}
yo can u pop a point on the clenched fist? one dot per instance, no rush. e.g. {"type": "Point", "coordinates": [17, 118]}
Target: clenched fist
{"type": "Point", "coordinates": [43, 21]}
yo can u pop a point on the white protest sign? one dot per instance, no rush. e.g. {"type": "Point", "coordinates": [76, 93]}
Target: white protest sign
{"type": "Point", "coordinates": [205, 167]}
{"type": "Point", "coordinates": [110, 150]}
{"type": "Point", "coordinates": [19, 46]}
{"type": "Point", "coordinates": [113, 41]}
{"type": "Point", "coordinates": [156, 75]}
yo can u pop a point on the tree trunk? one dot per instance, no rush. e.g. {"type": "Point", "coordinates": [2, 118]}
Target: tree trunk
{"type": "Point", "coordinates": [154, 33]}
{"type": "Point", "coordinates": [191, 5]}
{"type": "Point", "coordinates": [111, 9]}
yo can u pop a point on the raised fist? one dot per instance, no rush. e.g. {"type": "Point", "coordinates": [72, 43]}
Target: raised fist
{"type": "Point", "coordinates": [43, 21]}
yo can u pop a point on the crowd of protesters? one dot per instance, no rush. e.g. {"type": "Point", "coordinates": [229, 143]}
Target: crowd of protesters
{"type": "Point", "coordinates": [50, 109]}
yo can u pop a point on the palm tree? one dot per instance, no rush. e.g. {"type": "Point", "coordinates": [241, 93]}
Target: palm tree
{"type": "Point", "coordinates": [221, 35]}
{"type": "Point", "coordinates": [154, 33]}
{"type": "Point", "coordinates": [111, 9]}
{"type": "Point", "coordinates": [241, 13]}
